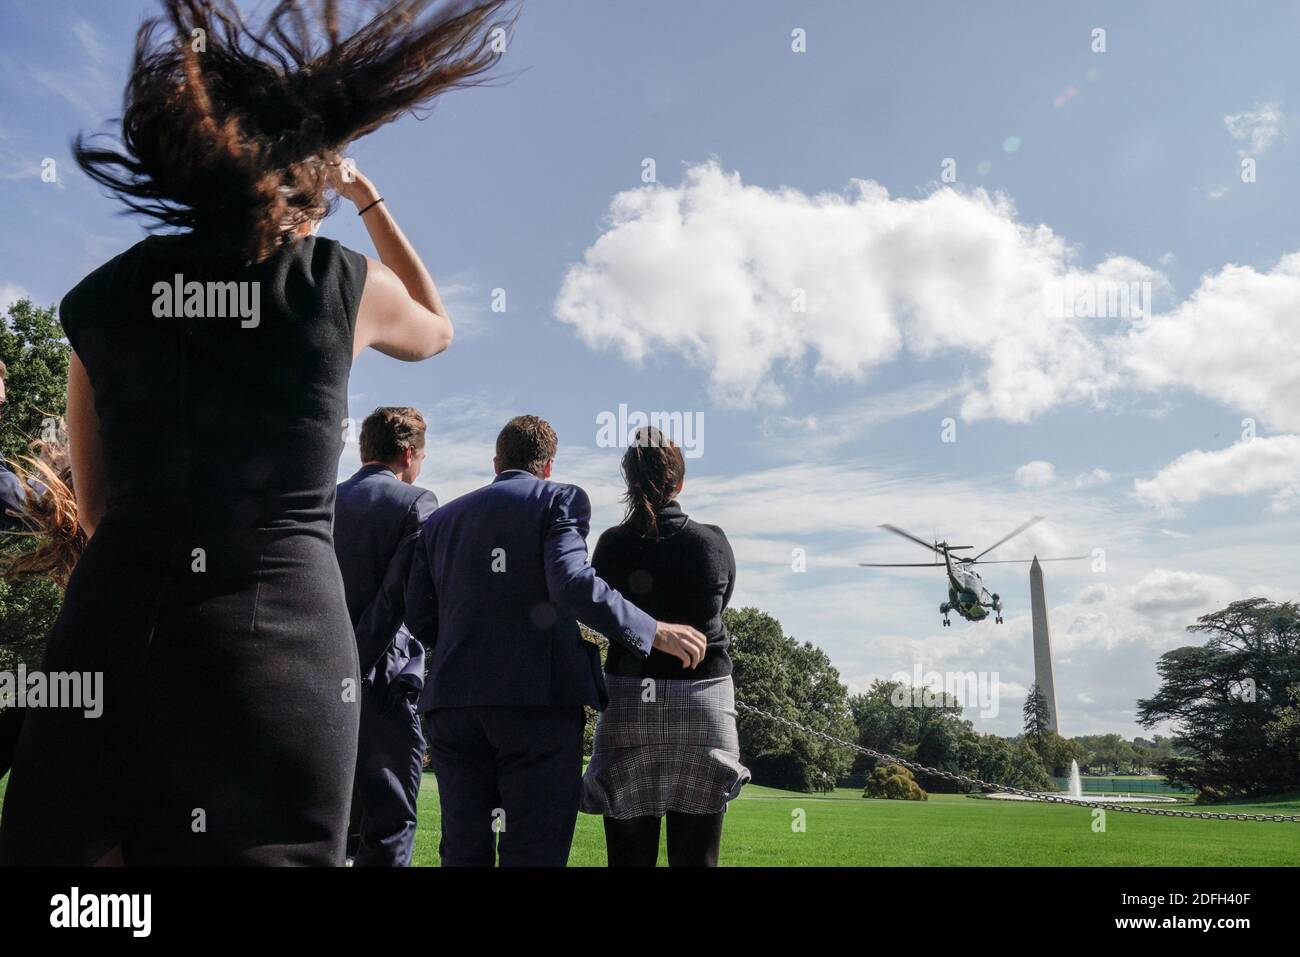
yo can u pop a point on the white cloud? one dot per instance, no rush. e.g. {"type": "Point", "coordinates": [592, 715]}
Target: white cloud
{"type": "Point", "coordinates": [1183, 594]}
{"type": "Point", "coordinates": [1267, 464]}
{"type": "Point", "coordinates": [713, 269]}
{"type": "Point", "coordinates": [781, 424]}
{"type": "Point", "coordinates": [1094, 594]}
{"type": "Point", "coordinates": [1233, 340]}
{"type": "Point", "coordinates": [1041, 474]}
{"type": "Point", "coordinates": [1092, 478]}
{"type": "Point", "coordinates": [9, 294]}
{"type": "Point", "coordinates": [1256, 128]}
{"type": "Point", "coordinates": [825, 433]}
{"type": "Point", "coordinates": [1036, 474]}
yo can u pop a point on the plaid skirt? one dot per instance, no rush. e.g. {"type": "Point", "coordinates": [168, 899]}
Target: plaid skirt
{"type": "Point", "coordinates": [664, 745]}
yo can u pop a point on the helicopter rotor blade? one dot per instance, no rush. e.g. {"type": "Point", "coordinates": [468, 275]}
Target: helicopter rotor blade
{"type": "Point", "coordinates": [1010, 535]}
{"type": "Point", "coordinates": [1026, 561]}
{"type": "Point", "coordinates": [910, 537]}
{"type": "Point", "coordinates": [900, 564]}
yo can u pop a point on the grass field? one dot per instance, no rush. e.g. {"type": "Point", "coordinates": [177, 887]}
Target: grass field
{"type": "Point", "coordinates": [843, 829]}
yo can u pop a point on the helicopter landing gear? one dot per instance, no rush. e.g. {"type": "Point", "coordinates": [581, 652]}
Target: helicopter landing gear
{"type": "Point", "coordinates": [997, 609]}
{"type": "Point", "coordinates": [944, 609]}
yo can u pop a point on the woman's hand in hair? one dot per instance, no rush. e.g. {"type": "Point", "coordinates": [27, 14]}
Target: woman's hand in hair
{"type": "Point", "coordinates": [352, 184]}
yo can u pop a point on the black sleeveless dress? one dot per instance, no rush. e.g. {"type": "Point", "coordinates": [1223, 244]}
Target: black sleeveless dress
{"type": "Point", "coordinates": [209, 596]}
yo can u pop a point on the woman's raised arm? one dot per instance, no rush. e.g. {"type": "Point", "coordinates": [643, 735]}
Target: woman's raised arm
{"type": "Point", "coordinates": [401, 313]}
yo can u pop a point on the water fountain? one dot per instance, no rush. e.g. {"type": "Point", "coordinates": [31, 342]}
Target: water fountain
{"type": "Point", "coordinates": [1076, 782]}
{"type": "Point", "coordinates": [1075, 793]}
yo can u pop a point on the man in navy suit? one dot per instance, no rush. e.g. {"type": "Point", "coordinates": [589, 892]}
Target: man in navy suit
{"type": "Point", "coordinates": [377, 517]}
{"type": "Point", "coordinates": [498, 585]}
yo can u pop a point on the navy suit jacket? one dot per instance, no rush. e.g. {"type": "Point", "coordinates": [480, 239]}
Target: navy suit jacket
{"type": "Point", "coordinates": [377, 518]}
{"type": "Point", "coordinates": [499, 583]}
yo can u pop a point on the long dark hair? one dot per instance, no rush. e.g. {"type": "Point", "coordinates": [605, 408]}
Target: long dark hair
{"type": "Point", "coordinates": [230, 132]}
{"type": "Point", "coordinates": [653, 468]}
{"type": "Point", "coordinates": [49, 512]}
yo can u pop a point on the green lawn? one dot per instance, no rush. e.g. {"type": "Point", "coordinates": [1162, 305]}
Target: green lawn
{"type": "Point", "coordinates": [842, 829]}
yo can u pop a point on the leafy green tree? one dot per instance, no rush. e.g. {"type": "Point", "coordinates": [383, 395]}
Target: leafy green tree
{"type": "Point", "coordinates": [1025, 769]}
{"type": "Point", "coordinates": [894, 782]}
{"type": "Point", "coordinates": [796, 681]}
{"type": "Point", "coordinates": [33, 350]}
{"type": "Point", "coordinates": [993, 759]}
{"type": "Point", "coordinates": [918, 724]}
{"type": "Point", "coordinates": [1109, 754]}
{"type": "Point", "coordinates": [1056, 753]}
{"type": "Point", "coordinates": [883, 722]}
{"type": "Point", "coordinates": [1149, 754]}
{"type": "Point", "coordinates": [1229, 700]}
{"type": "Point", "coordinates": [1284, 730]}
{"type": "Point", "coordinates": [1038, 720]}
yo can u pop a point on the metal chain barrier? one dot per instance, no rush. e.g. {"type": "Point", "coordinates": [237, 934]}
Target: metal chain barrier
{"type": "Point", "coordinates": [1005, 789]}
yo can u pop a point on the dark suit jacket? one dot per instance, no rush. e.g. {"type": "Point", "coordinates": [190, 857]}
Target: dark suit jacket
{"type": "Point", "coordinates": [377, 517]}
{"type": "Point", "coordinates": [499, 583]}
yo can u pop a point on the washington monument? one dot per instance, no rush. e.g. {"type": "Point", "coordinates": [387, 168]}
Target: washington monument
{"type": "Point", "coordinates": [1044, 674]}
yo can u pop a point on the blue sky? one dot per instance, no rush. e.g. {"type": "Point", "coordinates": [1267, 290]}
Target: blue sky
{"type": "Point", "coordinates": [824, 172]}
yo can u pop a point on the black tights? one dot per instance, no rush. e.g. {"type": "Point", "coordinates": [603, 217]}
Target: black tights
{"type": "Point", "coordinates": [693, 840]}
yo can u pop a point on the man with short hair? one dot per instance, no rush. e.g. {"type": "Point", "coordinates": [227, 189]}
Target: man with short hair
{"type": "Point", "coordinates": [377, 516]}
{"type": "Point", "coordinates": [498, 585]}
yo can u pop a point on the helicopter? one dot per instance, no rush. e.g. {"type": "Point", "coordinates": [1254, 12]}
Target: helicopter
{"type": "Point", "coordinates": [967, 595]}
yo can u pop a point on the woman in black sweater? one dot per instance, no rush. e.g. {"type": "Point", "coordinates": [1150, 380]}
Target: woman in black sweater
{"type": "Point", "coordinates": [666, 745]}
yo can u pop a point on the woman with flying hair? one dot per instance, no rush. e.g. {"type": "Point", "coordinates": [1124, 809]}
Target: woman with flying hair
{"type": "Point", "coordinates": [48, 514]}
{"type": "Point", "coordinates": [204, 445]}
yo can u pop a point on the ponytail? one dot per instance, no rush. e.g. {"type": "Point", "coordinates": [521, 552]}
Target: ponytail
{"type": "Point", "coordinates": [653, 468]}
